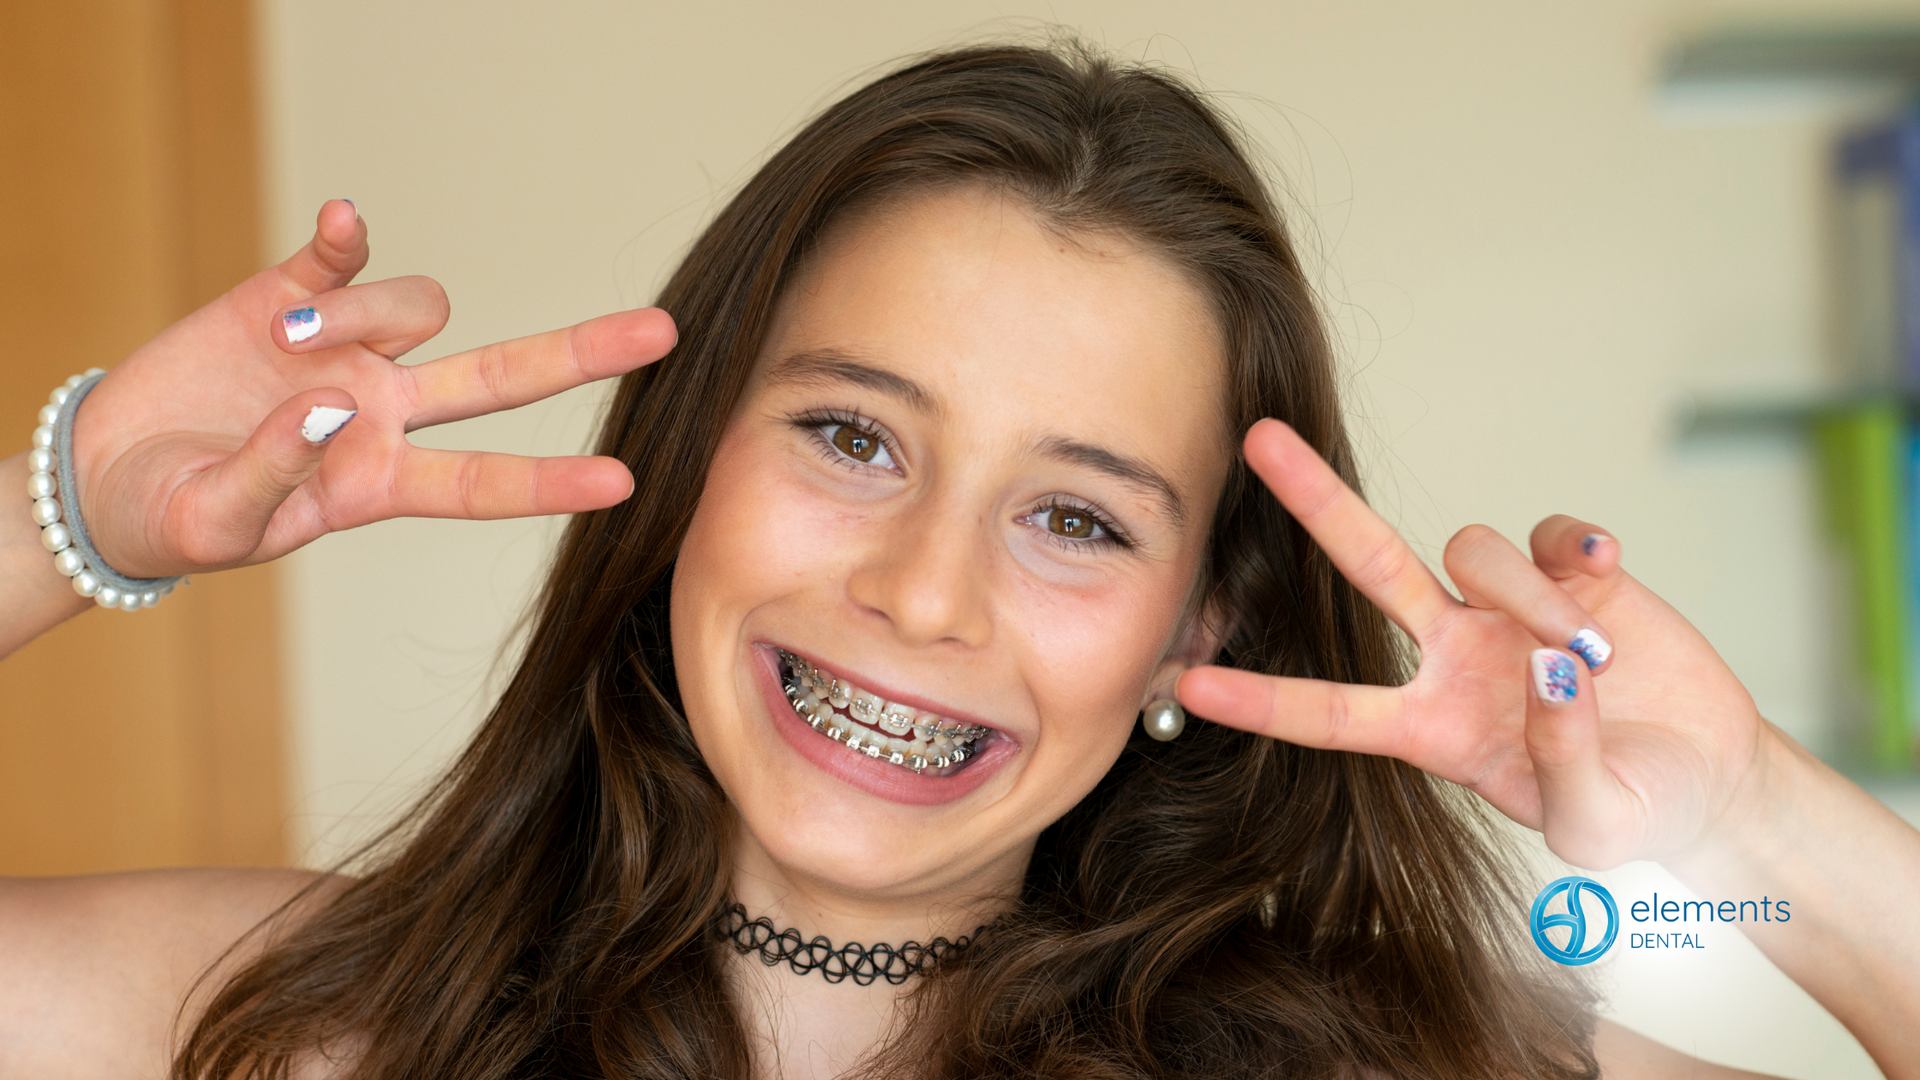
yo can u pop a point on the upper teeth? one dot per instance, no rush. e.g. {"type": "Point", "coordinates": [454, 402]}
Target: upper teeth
{"type": "Point", "coordinates": [922, 739]}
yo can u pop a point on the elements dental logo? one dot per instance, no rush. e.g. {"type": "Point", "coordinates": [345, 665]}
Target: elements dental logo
{"type": "Point", "coordinates": [1575, 950]}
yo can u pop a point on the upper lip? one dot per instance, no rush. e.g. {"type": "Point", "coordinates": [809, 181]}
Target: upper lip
{"type": "Point", "coordinates": [889, 694]}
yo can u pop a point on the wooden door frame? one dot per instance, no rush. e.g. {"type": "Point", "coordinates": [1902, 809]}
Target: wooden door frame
{"type": "Point", "coordinates": [130, 127]}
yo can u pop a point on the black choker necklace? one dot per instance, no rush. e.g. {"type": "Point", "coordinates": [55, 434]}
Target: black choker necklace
{"type": "Point", "coordinates": [861, 963]}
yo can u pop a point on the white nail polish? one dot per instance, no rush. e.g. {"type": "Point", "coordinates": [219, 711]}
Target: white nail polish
{"type": "Point", "coordinates": [301, 324]}
{"type": "Point", "coordinates": [1554, 677]}
{"type": "Point", "coordinates": [1591, 647]}
{"type": "Point", "coordinates": [323, 422]}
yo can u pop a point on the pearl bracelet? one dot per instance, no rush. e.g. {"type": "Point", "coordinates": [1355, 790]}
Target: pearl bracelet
{"type": "Point", "coordinates": [50, 472]}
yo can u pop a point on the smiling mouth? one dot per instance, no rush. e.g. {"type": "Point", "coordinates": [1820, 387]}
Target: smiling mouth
{"type": "Point", "coordinates": [867, 724]}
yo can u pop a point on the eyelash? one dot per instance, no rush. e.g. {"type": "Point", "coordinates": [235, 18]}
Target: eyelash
{"type": "Point", "coordinates": [813, 422]}
{"type": "Point", "coordinates": [1115, 535]}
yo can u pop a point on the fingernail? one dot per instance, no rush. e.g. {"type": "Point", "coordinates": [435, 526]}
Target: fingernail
{"type": "Point", "coordinates": [1590, 543]}
{"type": "Point", "coordinates": [301, 324]}
{"type": "Point", "coordinates": [1554, 679]}
{"type": "Point", "coordinates": [1588, 645]}
{"type": "Point", "coordinates": [323, 423]}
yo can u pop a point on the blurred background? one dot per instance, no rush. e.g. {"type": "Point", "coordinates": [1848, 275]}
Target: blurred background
{"type": "Point", "coordinates": [1578, 261]}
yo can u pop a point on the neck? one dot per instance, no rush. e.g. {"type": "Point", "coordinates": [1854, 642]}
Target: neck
{"type": "Point", "coordinates": [806, 1027]}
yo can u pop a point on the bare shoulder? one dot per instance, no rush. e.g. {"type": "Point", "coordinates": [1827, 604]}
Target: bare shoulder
{"type": "Point", "coordinates": [97, 968]}
{"type": "Point", "coordinates": [1626, 1054]}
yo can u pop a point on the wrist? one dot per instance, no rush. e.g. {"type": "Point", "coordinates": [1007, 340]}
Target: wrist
{"type": "Point", "coordinates": [34, 595]}
{"type": "Point", "coordinates": [55, 487]}
{"type": "Point", "coordinates": [1757, 825]}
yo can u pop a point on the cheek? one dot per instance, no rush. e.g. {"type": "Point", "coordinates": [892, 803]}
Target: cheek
{"type": "Point", "coordinates": [728, 564]}
{"type": "Point", "coordinates": [1091, 651]}
{"type": "Point", "coordinates": [758, 535]}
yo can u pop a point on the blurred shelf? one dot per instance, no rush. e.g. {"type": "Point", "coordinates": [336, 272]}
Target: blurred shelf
{"type": "Point", "coordinates": [1884, 54]}
{"type": "Point", "coordinates": [1708, 419]}
{"type": "Point", "coordinates": [1792, 70]}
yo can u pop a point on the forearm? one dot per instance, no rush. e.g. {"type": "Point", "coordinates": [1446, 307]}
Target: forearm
{"type": "Point", "coordinates": [34, 597]}
{"type": "Point", "coordinates": [1800, 832]}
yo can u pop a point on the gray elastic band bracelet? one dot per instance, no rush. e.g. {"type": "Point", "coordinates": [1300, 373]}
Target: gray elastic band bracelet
{"type": "Point", "coordinates": [70, 503]}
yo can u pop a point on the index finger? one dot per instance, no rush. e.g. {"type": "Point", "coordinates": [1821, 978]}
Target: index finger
{"type": "Point", "coordinates": [1365, 548]}
{"type": "Point", "coordinates": [1305, 712]}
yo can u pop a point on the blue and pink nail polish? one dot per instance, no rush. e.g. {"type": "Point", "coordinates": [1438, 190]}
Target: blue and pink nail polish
{"type": "Point", "coordinates": [1590, 543]}
{"type": "Point", "coordinates": [1554, 678]}
{"type": "Point", "coordinates": [301, 324]}
{"type": "Point", "coordinates": [1591, 647]}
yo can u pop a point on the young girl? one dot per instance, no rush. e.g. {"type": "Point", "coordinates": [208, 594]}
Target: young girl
{"type": "Point", "coordinates": [852, 734]}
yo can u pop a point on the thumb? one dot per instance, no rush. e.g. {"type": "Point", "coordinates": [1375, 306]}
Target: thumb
{"type": "Point", "coordinates": [233, 501]}
{"type": "Point", "coordinates": [1586, 813]}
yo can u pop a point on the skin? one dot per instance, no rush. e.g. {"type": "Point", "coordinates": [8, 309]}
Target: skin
{"type": "Point", "coordinates": [934, 576]}
{"type": "Point", "coordinates": [932, 579]}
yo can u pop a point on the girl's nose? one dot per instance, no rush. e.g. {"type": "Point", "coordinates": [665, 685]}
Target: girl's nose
{"type": "Point", "coordinates": [925, 570]}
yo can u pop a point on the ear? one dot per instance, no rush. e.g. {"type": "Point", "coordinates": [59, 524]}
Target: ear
{"type": "Point", "coordinates": [1198, 643]}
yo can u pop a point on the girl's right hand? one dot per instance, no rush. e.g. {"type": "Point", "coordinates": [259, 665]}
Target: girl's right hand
{"type": "Point", "coordinates": [277, 413]}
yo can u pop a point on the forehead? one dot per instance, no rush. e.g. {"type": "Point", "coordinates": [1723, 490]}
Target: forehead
{"type": "Point", "coordinates": [1013, 324]}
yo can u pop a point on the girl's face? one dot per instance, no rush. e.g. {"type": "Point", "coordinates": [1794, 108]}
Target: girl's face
{"type": "Point", "coordinates": [971, 481]}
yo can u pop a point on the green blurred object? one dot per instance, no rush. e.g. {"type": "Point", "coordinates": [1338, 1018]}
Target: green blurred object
{"type": "Point", "coordinates": [1863, 457]}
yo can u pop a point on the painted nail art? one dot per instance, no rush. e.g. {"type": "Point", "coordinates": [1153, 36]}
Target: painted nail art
{"type": "Point", "coordinates": [301, 324]}
{"type": "Point", "coordinates": [1591, 647]}
{"type": "Point", "coordinates": [1590, 543]}
{"type": "Point", "coordinates": [323, 423]}
{"type": "Point", "coordinates": [1554, 679]}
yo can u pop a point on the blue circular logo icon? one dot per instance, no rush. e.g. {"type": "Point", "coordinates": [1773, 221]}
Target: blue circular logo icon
{"type": "Point", "coordinates": [1575, 950]}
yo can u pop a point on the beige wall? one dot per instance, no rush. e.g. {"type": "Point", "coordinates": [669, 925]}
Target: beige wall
{"type": "Point", "coordinates": [1528, 260]}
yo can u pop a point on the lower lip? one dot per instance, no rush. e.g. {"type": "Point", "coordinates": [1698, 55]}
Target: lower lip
{"type": "Point", "coordinates": [871, 775]}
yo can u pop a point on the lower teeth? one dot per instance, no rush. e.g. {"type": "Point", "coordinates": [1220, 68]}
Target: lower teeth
{"type": "Point", "coordinates": [868, 742]}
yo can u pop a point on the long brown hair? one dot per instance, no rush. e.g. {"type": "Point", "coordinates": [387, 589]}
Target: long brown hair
{"type": "Point", "coordinates": [1222, 905]}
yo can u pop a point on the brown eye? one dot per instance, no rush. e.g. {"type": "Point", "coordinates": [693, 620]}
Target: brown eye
{"type": "Point", "coordinates": [1071, 524]}
{"type": "Point", "coordinates": [1073, 528]}
{"type": "Point", "coordinates": [856, 444]}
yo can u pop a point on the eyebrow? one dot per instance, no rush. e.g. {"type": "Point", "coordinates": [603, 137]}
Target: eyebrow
{"type": "Point", "coordinates": [1132, 472]}
{"type": "Point", "coordinates": [821, 366]}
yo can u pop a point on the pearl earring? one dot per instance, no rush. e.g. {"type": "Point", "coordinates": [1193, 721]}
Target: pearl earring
{"type": "Point", "coordinates": [1164, 720]}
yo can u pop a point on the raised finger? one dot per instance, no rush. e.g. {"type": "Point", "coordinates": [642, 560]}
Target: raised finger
{"type": "Point", "coordinates": [484, 486]}
{"type": "Point", "coordinates": [336, 253]}
{"type": "Point", "coordinates": [1495, 574]}
{"type": "Point", "coordinates": [390, 317]}
{"type": "Point", "coordinates": [1306, 712]}
{"type": "Point", "coordinates": [1564, 546]}
{"type": "Point", "coordinates": [509, 374]}
{"type": "Point", "coordinates": [1364, 548]}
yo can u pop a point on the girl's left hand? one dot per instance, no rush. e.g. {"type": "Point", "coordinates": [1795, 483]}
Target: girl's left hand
{"type": "Point", "coordinates": [1643, 774]}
